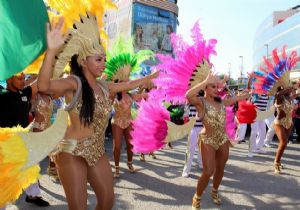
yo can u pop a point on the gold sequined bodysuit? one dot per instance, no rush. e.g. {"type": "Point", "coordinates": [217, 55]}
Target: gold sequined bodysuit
{"type": "Point", "coordinates": [287, 108]}
{"type": "Point", "coordinates": [92, 147]}
{"type": "Point", "coordinates": [43, 106]}
{"type": "Point", "coordinates": [215, 119]}
{"type": "Point", "coordinates": [122, 116]}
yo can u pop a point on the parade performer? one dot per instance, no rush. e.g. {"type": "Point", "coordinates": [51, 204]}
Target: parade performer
{"type": "Point", "coordinates": [273, 79]}
{"type": "Point", "coordinates": [192, 70]}
{"type": "Point", "coordinates": [42, 108]}
{"type": "Point", "coordinates": [122, 62]}
{"type": "Point", "coordinates": [80, 155]}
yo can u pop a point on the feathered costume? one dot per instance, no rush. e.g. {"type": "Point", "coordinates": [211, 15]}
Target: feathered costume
{"type": "Point", "coordinates": [274, 74]}
{"type": "Point", "coordinates": [189, 67]}
{"type": "Point", "coordinates": [266, 80]}
{"type": "Point", "coordinates": [123, 62]}
{"type": "Point", "coordinates": [20, 150]}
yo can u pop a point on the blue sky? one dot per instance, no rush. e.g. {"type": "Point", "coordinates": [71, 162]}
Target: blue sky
{"type": "Point", "coordinates": [233, 23]}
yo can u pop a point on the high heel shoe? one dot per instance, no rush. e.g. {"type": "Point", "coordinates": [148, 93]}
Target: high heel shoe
{"type": "Point", "coordinates": [277, 168]}
{"type": "Point", "coordinates": [130, 167]}
{"type": "Point", "coordinates": [52, 172]}
{"type": "Point", "coordinates": [153, 155]}
{"type": "Point", "coordinates": [196, 203]}
{"type": "Point", "coordinates": [117, 172]}
{"type": "Point", "coordinates": [142, 157]}
{"type": "Point", "coordinates": [215, 196]}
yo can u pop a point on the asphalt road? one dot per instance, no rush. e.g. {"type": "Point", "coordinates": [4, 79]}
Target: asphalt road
{"type": "Point", "coordinates": [249, 183]}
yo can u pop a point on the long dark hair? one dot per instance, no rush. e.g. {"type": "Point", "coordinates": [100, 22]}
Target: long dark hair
{"type": "Point", "coordinates": [86, 114]}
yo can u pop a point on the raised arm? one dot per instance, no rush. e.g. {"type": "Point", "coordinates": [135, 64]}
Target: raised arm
{"type": "Point", "coordinates": [243, 96]}
{"type": "Point", "coordinates": [130, 85]}
{"type": "Point", "coordinates": [44, 83]}
{"type": "Point", "coordinates": [192, 94]}
{"type": "Point", "coordinates": [139, 96]}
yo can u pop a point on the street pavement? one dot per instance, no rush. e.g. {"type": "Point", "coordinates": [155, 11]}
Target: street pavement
{"type": "Point", "coordinates": [249, 183]}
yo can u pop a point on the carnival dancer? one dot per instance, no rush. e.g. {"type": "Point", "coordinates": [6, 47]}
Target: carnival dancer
{"type": "Point", "coordinates": [213, 141]}
{"type": "Point", "coordinates": [81, 155]}
{"type": "Point", "coordinates": [283, 122]}
{"type": "Point", "coordinates": [273, 79]}
{"type": "Point", "coordinates": [42, 108]}
{"type": "Point", "coordinates": [182, 78]}
{"type": "Point", "coordinates": [122, 64]}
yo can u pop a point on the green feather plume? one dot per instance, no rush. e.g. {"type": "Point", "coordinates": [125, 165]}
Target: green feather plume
{"type": "Point", "coordinates": [122, 54]}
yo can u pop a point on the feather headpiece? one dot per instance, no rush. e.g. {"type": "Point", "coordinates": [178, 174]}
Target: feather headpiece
{"type": "Point", "coordinates": [87, 15]}
{"type": "Point", "coordinates": [122, 60]}
{"type": "Point", "coordinates": [190, 66]}
{"type": "Point", "coordinates": [274, 74]}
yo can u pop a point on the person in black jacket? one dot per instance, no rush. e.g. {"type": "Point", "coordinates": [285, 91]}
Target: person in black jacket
{"type": "Point", "coordinates": [15, 107]}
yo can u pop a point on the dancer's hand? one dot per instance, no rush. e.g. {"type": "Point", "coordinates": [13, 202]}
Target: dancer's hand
{"type": "Point", "coordinates": [222, 82]}
{"type": "Point", "coordinates": [212, 78]}
{"type": "Point", "coordinates": [55, 38]}
{"type": "Point", "coordinates": [154, 74]}
{"type": "Point", "coordinates": [246, 94]}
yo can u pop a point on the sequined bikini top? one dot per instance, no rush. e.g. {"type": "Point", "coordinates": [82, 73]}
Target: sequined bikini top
{"type": "Point", "coordinates": [286, 107]}
{"type": "Point", "coordinates": [123, 109]}
{"type": "Point", "coordinates": [214, 118]}
{"type": "Point", "coordinates": [102, 106]}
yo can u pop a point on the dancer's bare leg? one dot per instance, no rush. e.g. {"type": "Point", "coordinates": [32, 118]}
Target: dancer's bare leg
{"type": "Point", "coordinates": [117, 133]}
{"type": "Point", "coordinates": [209, 162]}
{"type": "Point", "coordinates": [128, 144]}
{"type": "Point", "coordinates": [222, 155]}
{"type": "Point", "coordinates": [101, 180]}
{"type": "Point", "coordinates": [72, 172]}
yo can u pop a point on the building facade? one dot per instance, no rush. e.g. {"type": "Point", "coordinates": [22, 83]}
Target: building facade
{"type": "Point", "coordinates": [279, 29]}
{"type": "Point", "coordinates": [148, 22]}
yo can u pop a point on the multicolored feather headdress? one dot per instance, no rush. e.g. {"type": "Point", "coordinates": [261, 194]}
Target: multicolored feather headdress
{"type": "Point", "coordinates": [274, 74]}
{"type": "Point", "coordinates": [122, 60]}
{"type": "Point", "coordinates": [190, 66]}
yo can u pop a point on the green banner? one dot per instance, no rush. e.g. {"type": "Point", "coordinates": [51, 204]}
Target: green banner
{"type": "Point", "coordinates": [22, 34]}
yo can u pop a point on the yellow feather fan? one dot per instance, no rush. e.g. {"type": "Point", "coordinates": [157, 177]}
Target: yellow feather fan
{"type": "Point", "coordinates": [21, 151]}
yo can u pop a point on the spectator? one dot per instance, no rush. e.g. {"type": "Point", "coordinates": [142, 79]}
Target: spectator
{"type": "Point", "coordinates": [14, 110]}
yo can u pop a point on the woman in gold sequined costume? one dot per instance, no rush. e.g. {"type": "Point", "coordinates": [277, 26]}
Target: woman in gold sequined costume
{"type": "Point", "coordinates": [43, 107]}
{"type": "Point", "coordinates": [121, 127]}
{"type": "Point", "coordinates": [81, 154]}
{"type": "Point", "coordinates": [213, 141]}
{"type": "Point", "coordinates": [283, 122]}
{"type": "Point", "coordinates": [121, 66]}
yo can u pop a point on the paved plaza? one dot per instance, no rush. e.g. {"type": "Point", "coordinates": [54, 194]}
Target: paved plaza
{"type": "Point", "coordinates": [249, 183]}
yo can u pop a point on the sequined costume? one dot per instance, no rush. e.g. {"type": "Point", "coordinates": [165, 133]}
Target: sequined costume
{"type": "Point", "coordinates": [90, 148]}
{"type": "Point", "coordinates": [44, 107]}
{"type": "Point", "coordinates": [287, 108]}
{"type": "Point", "coordinates": [122, 116]}
{"type": "Point", "coordinates": [214, 121]}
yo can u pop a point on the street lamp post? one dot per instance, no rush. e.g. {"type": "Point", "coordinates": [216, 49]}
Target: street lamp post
{"type": "Point", "coordinates": [267, 47]}
{"type": "Point", "coordinates": [229, 73]}
{"type": "Point", "coordinates": [241, 57]}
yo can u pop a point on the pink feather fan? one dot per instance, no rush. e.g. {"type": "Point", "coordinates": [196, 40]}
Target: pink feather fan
{"type": "Point", "coordinates": [176, 73]}
{"type": "Point", "coordinates": [149, 128]}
